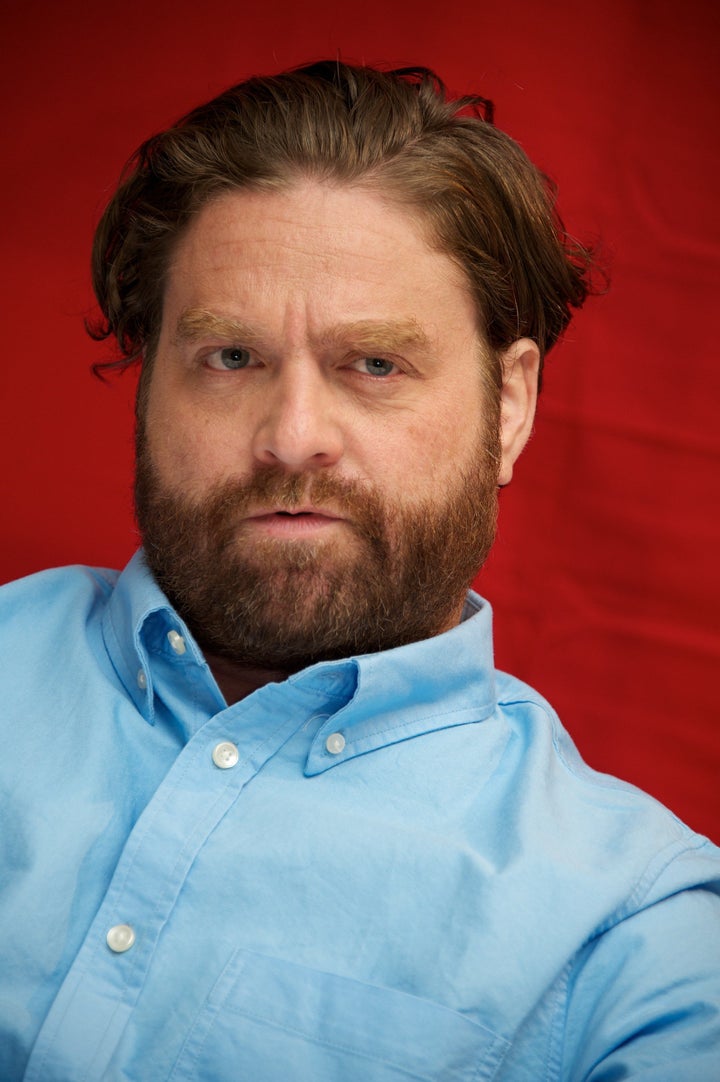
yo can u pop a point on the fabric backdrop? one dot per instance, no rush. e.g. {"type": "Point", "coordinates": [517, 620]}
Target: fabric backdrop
{"type": "Point", "coordinates": [605, 579]}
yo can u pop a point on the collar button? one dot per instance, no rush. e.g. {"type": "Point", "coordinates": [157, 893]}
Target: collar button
{"type": "Point", "coordinates": [335, 743]}
{"type": "Point", "coordinates": [176, 641]}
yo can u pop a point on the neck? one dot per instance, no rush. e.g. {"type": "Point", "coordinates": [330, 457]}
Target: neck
{"type": "Point", "coordinates": [236, 680]}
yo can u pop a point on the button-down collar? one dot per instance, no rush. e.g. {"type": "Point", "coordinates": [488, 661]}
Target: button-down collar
{"type": "Point", "coordinates": [141, 631]}
{"type": "Point", "coordinates": [381, 698]}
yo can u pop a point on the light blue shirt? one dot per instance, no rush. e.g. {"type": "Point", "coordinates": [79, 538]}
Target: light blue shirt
{"type": "Point", "coordinates": [391, 867]}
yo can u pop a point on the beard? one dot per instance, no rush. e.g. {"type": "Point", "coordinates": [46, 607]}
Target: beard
{"type": "Point", "coordinates": [396, 573]}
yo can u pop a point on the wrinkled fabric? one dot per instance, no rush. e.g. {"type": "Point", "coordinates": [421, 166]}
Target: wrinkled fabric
{"type": "Point", "coordinates": [447, 892]}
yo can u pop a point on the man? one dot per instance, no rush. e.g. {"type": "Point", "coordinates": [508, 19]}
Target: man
{"type": "Point", "coordinates": [269, 813]}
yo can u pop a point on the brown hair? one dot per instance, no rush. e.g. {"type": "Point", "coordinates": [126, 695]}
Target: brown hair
{"type": "Point", "coordinates": [480, 198]}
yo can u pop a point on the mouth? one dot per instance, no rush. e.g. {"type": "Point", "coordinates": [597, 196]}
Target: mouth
{"type": "Point", "coordinates": [298, 522]}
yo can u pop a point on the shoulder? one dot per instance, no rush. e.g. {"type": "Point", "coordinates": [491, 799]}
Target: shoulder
{"type": "Point", "coordinates": [606, 826]}
{"type": "Point", "coordinates": [52, 603]}
{"type": "Point", "coordinates": [65, 588]}
{"type": "Point", "coordinates": [57, 583]}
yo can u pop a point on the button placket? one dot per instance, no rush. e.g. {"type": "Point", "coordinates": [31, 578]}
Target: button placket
{"type": "Point", "coordinates": [151, 871]}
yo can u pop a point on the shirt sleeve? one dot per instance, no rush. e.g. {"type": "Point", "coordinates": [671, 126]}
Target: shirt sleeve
{"type": "Point", "coordinates": [644, 998]}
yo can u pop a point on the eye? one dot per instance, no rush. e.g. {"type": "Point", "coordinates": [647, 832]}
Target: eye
{"type": "Point", "coordinates": [230, 358]}
{"type": "Point", "coordinates": [375, 366]}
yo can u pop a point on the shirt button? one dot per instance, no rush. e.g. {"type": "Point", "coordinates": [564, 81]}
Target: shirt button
{"type": "Point", "coordinates": [335, 743]}
{"type": "Point", "coordinates": [225, 755]}
{"type": "Point", "coordinates": [176, 641]}
{"type": "Point", "coordinates": [120, 938]}
{"type": "Point", "coordinates": [141, 679]}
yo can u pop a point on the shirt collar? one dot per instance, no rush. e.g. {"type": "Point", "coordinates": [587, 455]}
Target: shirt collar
{"type": "Point", "coordinates": [440, 682]}
{"type": "Point", "coordinates": [381, 698]}
{"type": "Point", "coordinates": [139, 627]}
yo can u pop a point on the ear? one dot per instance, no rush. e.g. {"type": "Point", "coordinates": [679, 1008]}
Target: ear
{"type": "Point", "coordinates": [518, 398]}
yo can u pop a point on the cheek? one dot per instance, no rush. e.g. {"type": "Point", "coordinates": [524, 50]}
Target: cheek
{"type": "Point", "coordinates": [189, 449]}
{"type": "Point", "coordinates": [424, 460]}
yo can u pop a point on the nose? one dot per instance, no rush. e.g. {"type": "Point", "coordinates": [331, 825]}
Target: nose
{"type": "Point", "coordinates": [298, 425]}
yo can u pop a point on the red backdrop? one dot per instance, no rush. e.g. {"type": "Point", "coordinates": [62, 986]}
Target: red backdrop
{"type": "Point", "coordinates": [605, 578]}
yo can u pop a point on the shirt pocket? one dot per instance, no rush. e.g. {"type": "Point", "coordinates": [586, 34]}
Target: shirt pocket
{"type": "Point", "coordinates": [274, 1021]}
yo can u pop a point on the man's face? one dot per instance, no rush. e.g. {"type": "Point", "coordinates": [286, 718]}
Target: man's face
{"type": "Point", "coordinates": [317, 458]}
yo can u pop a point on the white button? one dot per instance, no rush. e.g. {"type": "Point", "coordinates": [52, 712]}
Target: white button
{"type": "Point", "coordinates": [120, 938]}
{"type": "Point", "coordinates": [176, 641]}
{"type": "Point", "coordinates": [335, 743]}
{"type": "Point", "coordinates": [141, 679]}
{"type": "Point", "coordinates": [225, 755]}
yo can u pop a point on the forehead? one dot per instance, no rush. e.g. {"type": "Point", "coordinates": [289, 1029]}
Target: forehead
{"type": "Point", "coordinates": [320, 249]}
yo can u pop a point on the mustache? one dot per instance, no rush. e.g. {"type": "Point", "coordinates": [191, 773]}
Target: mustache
{"type": "Point", "coordinates": [225, 503]}
{"type": "Point", "coordinates": [274, 486]}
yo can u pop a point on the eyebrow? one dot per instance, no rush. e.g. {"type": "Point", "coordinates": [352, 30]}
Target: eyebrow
{"type": "Point", "coordinates": [196, 323]}
{"type": "Point", "coordinates": [394, 336]}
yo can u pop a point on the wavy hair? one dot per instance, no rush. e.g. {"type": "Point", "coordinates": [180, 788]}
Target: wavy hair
{"type": "Point", "coordinates": [472, 188]}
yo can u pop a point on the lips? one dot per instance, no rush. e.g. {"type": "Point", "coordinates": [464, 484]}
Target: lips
{"type": "Point", "coordinates": [296, 512]}
{"type": "Point", "coordinates": [297, 522]}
